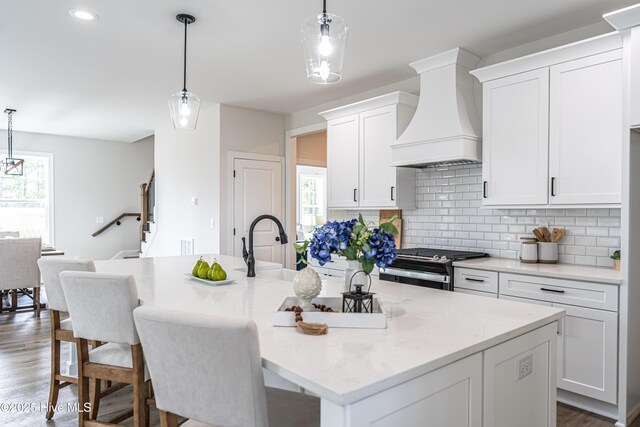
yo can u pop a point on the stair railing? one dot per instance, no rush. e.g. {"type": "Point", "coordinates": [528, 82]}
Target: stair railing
{"type": "Point", "coordinates": [117, 221]}
{"type": "Point", "coordinates": [148, 202]}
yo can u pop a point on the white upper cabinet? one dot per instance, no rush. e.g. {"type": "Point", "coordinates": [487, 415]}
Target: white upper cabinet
{"type": "Point", "coordinates": [359, 138]}
{"type": "Point", "coordinates": [585, 130]}
{"type": "Point", "coordinates": [553, 127]}
{"type": "Point", "coordinates": [342, 149]}
{"type": "Point", "coordinates": [515, 136]}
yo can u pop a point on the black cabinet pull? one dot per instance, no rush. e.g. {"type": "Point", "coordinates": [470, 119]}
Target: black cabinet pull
{"type": "Point", "coordinates": [556, 291]}
{"type": "Point", "coordinates": [485, 184]}
{"type": "Point", "coordinates": [553, 186]}
{"type": "Point", "coordinates": [354, 195]}
{"type": "Point", "coordinates": [471, 279]}
{"type": "Point", "coordinates": [393, 189]}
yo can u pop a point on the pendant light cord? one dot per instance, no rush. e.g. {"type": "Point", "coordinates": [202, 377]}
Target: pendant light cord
{"type": "Point", "coordinates": [324, 7]}
{"type": "Point", "coordinates": [10, 136]}
{"type": "Point", "coordinates": [184, 86]}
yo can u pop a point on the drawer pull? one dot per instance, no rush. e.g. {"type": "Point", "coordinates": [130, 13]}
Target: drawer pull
{"type": "Point", "coordinates": [557, 291]}
{"type": "Point", "coordinates": [470, 279]}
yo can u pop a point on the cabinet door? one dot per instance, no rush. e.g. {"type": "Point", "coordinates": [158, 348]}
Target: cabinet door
{"type": "Point", "coordinates": [515, 139]}
{"type": "Point", "coordinates": [342, 162]}
{"type": "Point", "coordinates": [378, 130]}
{"type": "Point", "coordinates": [588, 352]}
{"type": "Point", "coordinates": [585, 130]}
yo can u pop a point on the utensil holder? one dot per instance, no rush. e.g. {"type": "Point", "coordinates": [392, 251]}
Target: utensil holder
{"type": "Point", "coordinates": [547, 252]}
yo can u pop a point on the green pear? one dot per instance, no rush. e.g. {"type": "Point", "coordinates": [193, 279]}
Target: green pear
{"type": "Point", "coordinates": [202, 271]}
{"type": "Point", "coordinates": [219, 273]}
{"type": "Point", "coordinates": [197, 267]}
{"type": "Point", "coordinates": [210, 273]}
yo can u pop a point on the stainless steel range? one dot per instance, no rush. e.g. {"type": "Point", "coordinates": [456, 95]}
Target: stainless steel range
{"type": "Point", "coordinates": [431, 268]}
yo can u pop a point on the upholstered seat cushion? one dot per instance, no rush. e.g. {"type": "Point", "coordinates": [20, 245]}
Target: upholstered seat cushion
{"type": "Point", "coordinates": [286, 409]}
{"type": "Point", "coordinates": [66, 324]}
{"type": "Point", "coordinates": [115, 355]}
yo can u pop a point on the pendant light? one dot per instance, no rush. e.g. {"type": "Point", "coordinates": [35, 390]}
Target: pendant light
{"type": "Point", "coordinates": [184, 106]}
{"type": "Point", "coordinates": [324, 37]}
{"type": "Point", "coordinates": [12, 166]}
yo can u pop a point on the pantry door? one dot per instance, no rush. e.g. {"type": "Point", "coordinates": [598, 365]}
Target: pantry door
{"type": "Point", "coordinates": [257, 190]}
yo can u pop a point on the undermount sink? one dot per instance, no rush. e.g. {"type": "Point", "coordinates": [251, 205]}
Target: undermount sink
{"type": "Point", "coordinates": [275, 273]}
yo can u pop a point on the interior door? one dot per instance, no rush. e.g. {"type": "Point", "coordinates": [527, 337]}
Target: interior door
{"type": "Point", "coordinates": [378, 185]}
{"type": "Point", "coordinates": [257, 190]}
{"type": "Point", "coordinates": [585, 130]}
{"type": "Point", "coordinates": [516, 139]}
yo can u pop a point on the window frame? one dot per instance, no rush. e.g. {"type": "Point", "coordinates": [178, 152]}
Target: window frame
{"type": "Point", "coordinates": [50, 210]}
{"type": "Point", "coordinates": [310, 170]}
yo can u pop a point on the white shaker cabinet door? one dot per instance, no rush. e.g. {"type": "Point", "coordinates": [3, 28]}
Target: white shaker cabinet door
{"type": "Point", "coordinates": [588, 352]}
{"type": "Point", "coordinates": [342, 162]}
{"type": "Point", "coordinates": [585, 130]}
{"type": "Point", "coordinates": [378, 130]}
{"type": "Point", "coordinates": [515, 139]}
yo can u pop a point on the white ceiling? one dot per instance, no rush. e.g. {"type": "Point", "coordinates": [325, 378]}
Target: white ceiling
{"type": "Point", "coordinates": [111, 78]}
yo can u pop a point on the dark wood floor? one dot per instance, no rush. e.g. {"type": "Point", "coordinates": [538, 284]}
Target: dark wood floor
{"type": "Point", "coordinates": [24, 378]}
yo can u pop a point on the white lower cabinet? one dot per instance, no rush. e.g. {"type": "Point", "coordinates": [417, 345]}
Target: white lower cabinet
{"type": "Point", "coordinates": [588, 352]}
{"type": "Point", "coordinates": [587, 337]}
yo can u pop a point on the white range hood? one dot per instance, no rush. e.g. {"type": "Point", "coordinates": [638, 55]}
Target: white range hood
{"type": "Point", "coordinates": [445, 129]}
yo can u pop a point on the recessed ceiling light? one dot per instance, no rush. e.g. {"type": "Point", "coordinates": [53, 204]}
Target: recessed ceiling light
{"type": "Point", "coordinates": [83, 15]}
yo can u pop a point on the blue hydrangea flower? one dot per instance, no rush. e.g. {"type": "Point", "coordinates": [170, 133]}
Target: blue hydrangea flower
{"type": "Point", "coordinates": [382, 248]}
{"type": "Point", "coordinates": [330, 238]}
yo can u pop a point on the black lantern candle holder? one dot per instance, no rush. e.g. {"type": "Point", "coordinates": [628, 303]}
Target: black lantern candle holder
{"type": "Point", "coordinates": [356, 300]}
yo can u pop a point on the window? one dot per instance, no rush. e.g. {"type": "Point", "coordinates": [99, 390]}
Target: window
{"type": "Point", "coordinates": [312, 197]}
{"type": "Point", "coordinates": [25, 201]}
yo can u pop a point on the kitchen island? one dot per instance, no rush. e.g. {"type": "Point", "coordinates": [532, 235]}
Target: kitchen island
{"type": "Point", "coordinates": [445, 359]}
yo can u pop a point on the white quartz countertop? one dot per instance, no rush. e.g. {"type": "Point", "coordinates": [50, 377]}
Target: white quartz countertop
{"type": "Point", "coordinates": [558, 271]}
{"type": "Point", "coordinates": [427, 329]}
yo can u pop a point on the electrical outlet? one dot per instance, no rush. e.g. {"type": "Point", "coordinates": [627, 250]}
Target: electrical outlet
{"type": "Point", "coordinates": [524, 367]}
{"type": "Point", "coordinates": [99, 220]}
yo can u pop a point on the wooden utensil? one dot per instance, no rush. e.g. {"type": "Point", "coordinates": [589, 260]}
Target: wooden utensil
{"type": "Point", "coordinates": [546, 234]}
{"type": "Point", "coordinates": [558, 233]}
{"type": "Point", "coordinates": [538, 234]}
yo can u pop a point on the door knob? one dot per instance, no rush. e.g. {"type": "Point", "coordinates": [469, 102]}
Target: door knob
{"type": "Point", "coordinates": [277, 238]}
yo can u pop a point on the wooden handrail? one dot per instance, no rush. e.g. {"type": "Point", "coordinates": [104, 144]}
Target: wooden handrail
{"type": "Point", "coordinates": [116, 221]}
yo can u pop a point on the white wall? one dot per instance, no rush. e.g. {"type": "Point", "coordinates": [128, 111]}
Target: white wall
{"type": "Point", "coordinates": [92, 178]}
{"type": "Point", "coordinates": [187, 165]}
{"type": "Point", "coordinates": [249, 131]}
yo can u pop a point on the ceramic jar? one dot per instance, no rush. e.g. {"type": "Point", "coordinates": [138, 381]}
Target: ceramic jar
{"type": "Point", "coordinates": [547, 252]}
{"type": "Point", "coordinates": [529, 250]}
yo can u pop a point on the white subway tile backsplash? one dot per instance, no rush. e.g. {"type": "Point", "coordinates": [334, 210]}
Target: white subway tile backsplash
{"type": "Point", "coordinates": [450, 215]}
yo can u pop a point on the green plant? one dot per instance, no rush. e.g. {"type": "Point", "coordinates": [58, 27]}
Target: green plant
{"type": "Point", "coordinates": [616, 254]}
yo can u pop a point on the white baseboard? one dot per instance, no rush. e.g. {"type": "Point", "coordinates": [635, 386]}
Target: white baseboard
{"type": "Point", "coordinates": [588, 404]}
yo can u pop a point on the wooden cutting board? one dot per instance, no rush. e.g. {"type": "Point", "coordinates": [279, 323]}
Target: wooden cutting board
{"type": "Point", "coordinates": [386, 215]}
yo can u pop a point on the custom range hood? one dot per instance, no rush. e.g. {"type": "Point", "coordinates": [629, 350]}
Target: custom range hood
{"type": "Point", "coordinates": [445, 129]}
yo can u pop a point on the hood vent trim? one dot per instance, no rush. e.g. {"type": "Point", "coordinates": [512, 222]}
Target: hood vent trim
{"type": "Point", "coordinates": [445, 129]}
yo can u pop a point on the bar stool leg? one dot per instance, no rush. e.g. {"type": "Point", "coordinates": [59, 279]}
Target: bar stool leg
{"type": "Point", "coordinates": [14, 299]}
{"type": "Point", "coordinates": [94, 393]}
{"type": "Point", "coordinates": [139, 388]}
{"type": "Point", "coordinates": [54, 385]}
{"type": "Point", "coordinates": [83, 382]}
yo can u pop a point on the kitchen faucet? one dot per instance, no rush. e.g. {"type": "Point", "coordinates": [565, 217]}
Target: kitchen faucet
{"type": "Point", "coordinates": [248, 255]}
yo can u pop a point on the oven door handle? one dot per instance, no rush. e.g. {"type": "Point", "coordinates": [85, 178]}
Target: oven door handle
{"type": "Point", "coordinates": [422, 275]}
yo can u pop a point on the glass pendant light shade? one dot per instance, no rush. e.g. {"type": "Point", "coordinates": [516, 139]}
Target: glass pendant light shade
{"type": "Point", "coordinates": [324, 38]}
{"type": "Point", "coordinates": [184, 107]}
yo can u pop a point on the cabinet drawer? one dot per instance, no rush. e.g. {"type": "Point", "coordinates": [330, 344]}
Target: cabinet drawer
{"type": "Point", "coordinates": [475, 280]}
{"type": "Point", "coordinates": [583, 294]}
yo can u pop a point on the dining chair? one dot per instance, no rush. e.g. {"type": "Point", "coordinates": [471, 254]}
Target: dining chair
{"type": "Point", "coordinates": [208, 368]}
{"type": "Point", "coordinates": [19, 269]}
{"type": "Point", "coordinates": [101, 307]}
{"type": "Point", "coordinates": [61, 330]}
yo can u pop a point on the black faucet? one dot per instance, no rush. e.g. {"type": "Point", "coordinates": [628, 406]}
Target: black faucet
{"type": "Point", "coordinates": [248, 255]}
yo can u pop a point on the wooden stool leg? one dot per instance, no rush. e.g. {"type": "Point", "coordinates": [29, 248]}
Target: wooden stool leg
{"type": "Point", "coordinates": [36, 300]}
{"type": "Point", "coordinates": [83, 382]}
{"type": "Point", "coordinates": [14, 299]}
{"type": "Point", "coordinates": [54, 384]}
{"type": "Point", "coordinates": [167, 419]}
{"type": "Point", "coordinates": [94, 392]}
{"type": "Point", "coordinates": [139, 388]}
